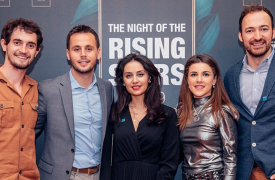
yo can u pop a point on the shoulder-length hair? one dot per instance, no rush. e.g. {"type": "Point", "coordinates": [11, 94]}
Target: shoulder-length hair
{"type": "Point", "coordinates": [152, 98]}
{"type": "Point", "coordinates": [218, 99]}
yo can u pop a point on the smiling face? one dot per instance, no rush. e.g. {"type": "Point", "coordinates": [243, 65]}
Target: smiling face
{"type": "Point", "coordinates": [257, 34]}
{"type": "Point", "coordinates": [83, 53]}
{"type": "Point", "coordinates": [201, 80]}
{"type": "Point", "coordinates": [135, 78]}
{"type": "Point", "coordinates": [21, 49]}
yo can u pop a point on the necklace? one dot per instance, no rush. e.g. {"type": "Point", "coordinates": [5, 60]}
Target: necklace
{"type": "Point", "coordinates": [196, 113]}
{"type": "Point", "coordinates": [134, 113]}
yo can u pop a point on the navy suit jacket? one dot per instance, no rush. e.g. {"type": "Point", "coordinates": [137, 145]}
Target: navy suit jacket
{"type": "Point", "coordinates": [262, 133]}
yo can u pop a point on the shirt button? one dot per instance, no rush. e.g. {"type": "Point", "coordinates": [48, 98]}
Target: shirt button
{"type": "Point", "coordinates": [67, 172]}
{"type": "Point", "coordinates": [72, 150]}
{"type": "Point", "coordinates": [20, 172]}
{"type": "Point", "coordinates": [21, 149]}
{"type": "Point", "coordinates": [23, 126]}
{"type": "Point", "coordinates": [254, 144]}
{"type": "Point", "coordinates": [253, 122]}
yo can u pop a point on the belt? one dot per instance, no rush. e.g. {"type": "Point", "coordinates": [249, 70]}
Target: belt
{"type": "Point", "coordinates": [89, 171]}
{"type": "Point", "coordinates": [213, 175]}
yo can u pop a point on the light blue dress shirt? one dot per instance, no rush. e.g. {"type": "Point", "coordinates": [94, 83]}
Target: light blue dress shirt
{"type": "Point", "coordinates": [88, 124]}
{"type": "Point", "coordinates": [252, 82]}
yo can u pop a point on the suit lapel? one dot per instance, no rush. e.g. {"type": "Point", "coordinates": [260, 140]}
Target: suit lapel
{"type": "Point", "coordinates": [237, 80]}
{"type": "Point", "coordinates": [269, 83]}
{"type": "Point", "coordinates": [66, 96]}
{"type": "Point", "coordinates": [237, 85]}
{"type": "Point", "coordinates": [103, 100]}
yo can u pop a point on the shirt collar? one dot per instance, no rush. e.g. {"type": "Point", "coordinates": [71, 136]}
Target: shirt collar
{"type": "Point", "coordinates": [26, 79]}
{"type": "Point", "coordinates": [264, 65]}
{"type": "Point", "coordinates": [75, 84]}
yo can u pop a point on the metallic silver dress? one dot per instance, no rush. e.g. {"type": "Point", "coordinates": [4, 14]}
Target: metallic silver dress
{"type": "Point", "coordinates": [207, 149]}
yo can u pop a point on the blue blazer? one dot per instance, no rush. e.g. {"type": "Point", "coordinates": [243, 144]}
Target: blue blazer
{"type": "Point", "coordinates": [262, 133]}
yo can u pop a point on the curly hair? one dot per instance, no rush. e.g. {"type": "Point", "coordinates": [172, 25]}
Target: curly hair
{"type": "Point", "coordinates": [24, 24]}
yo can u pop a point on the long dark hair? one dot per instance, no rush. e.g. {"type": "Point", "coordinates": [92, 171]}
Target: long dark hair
{"type": "Point", "coordinates": [152, 98]}
{"type": "Point", "coordinates": [219, 97]}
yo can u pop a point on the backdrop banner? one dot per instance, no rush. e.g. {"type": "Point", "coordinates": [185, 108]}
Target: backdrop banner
{"type": "Point", "coordinates": [161, 30]}
{"type": "Point", "coordinates": [168, 32]}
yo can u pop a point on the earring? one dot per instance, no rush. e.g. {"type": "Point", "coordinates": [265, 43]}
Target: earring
{"type": "Point", "coordinates": [123, 84]}
{"type": "Point", "coordinates": [213, 86]}
{"type": "Point", "coordinates": [149, 81]}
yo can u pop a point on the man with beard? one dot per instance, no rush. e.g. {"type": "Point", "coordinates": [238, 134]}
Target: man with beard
{"type": "Point", "coordinates": [74, 109]}
{"type": "Point", "coordinates": [20, 40]}
{"type": "Point", "coordinates": [251, 87]}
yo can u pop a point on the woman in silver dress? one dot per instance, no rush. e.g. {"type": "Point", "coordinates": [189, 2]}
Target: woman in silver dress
{"type": "Point", "coordinates": [208, 123]}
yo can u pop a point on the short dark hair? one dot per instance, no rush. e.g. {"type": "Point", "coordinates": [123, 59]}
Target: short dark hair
{"type": "Point", "coordinates": [152, 98]}
{"type": "Point", "coordinates": [28, 26]}
{"type": "Point", "coordinates": [251, 9]}
{"type": "Point", "coordinates": [82, 29]}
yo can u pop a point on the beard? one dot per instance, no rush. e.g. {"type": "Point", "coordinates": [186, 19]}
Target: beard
{"type": "Point", "coordinates": [259, 53]}
{"type": "Point", "coordinates": [84, 70]}
{"type": "Point", "coordinates": [19, 65]}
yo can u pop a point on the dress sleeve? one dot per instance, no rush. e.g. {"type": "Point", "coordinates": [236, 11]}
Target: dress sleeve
{"type": "Point", "coordinates": [228, 131]}
{"type": "Point", "coordinates": [170, 148]}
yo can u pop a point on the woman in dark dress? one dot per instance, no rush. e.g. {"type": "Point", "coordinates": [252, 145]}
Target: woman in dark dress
{"type": "Point", "coordinates": [207, 121]}
{"type": "Point", "coordinates": [146, 143]}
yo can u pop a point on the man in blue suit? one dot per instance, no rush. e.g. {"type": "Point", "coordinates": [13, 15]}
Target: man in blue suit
{"type": "Point", "coordinates": [74, 111]}
{"type": "Point", "coordinates": [251, 87]}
